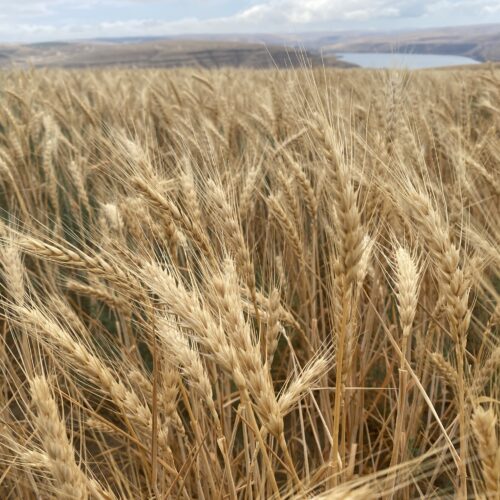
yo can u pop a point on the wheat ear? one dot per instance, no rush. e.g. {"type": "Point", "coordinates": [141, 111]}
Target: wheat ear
{"type": "Point", "coordinates": [71, 482]}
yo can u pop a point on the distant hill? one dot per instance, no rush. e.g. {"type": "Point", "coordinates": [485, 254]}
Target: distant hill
{"type": "Point", "coordinates": [253, 50]}
{"type": "Point", "coordinates": [481, 42]}
{"type": "Point", "coordinates": [478, 42]}
{"type": "Point", "coordinates": [161, 53]}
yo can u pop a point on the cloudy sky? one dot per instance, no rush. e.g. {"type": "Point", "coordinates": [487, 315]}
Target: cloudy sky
{"type": "Point", "coordinates": [39, 20]}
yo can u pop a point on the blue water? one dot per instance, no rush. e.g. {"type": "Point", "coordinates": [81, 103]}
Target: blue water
{"type": "Point", "coordinates": [410, 61]}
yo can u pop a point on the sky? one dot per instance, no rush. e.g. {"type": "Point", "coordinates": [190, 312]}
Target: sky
{"type": "Point", "coordinates": [46, 20]}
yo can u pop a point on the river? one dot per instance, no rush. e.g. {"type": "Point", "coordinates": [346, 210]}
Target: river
{"type": "Point", "coordinates": [398, 60]}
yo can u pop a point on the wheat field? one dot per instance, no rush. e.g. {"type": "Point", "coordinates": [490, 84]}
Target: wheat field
{"type": "Point", "coordinates": [246, 284]}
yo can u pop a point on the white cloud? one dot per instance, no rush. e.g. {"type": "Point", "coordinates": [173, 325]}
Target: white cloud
{"type": "Point", "coordinates": [314, 11]}
{"type": "Point", "coordinates": [324, 11]}
{"type": "Point", "coordinates": [491, 9]}
{"type": "Point", "coordinates": [44, 19]}
{"type": "Point", "coordinates": [34, 7]}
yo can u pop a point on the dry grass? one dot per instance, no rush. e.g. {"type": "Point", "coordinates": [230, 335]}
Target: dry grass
{"type": "Point", "coordinates": [243, 284]}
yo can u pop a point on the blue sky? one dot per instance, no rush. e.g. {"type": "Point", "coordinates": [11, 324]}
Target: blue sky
{"type": "Point", "coordinates": [39, 20]}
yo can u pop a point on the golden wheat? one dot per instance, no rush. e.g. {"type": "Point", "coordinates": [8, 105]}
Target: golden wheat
{"type": "Point", "coordinates": [249, 284]}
